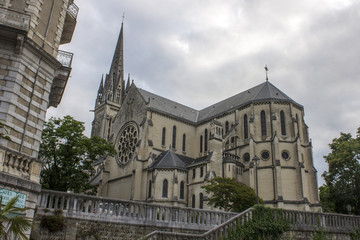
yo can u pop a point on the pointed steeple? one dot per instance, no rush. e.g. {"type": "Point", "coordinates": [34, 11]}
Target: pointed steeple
{"type": "Point", "coordinates": [100, 92]}
{"type": "Point", "coordinates": [117, 66]}
{"type": "Point", "coordinates": [128, 83]}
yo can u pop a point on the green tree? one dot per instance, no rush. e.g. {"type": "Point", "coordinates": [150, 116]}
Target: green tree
{"type": "Point", "coordinates": [13, 225]}
{"type": "Point", "coordinates": [229, 194]}
{"type": "Point", "coordinates": [68, 155]}
{"type": "Point", "coordinates": [341, 192]}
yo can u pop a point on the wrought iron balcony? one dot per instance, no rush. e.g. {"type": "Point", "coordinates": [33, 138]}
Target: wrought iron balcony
{"type": "Point", "coordinates": [73, 10]}
{"type": "Point", "coordinates": [65, 58]}
{"type": "Point", "coordinates": [14, 19]}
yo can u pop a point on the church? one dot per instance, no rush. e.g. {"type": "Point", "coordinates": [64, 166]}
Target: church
{"type": "Point", "coordinates": [166, 151]}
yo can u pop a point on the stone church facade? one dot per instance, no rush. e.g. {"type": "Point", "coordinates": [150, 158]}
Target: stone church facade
{"type": "Point", "coordinates": [166, 151]}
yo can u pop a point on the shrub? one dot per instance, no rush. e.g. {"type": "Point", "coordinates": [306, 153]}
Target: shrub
{"type": "Point", "coordinates": [53, 223]}
{"type": "Point", "coordinates": [266, 223]}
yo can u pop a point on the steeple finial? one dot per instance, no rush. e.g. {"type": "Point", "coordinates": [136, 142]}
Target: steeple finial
{"type": "Point", "coordinates": [123, 18]}
{"type": "Point", "coordinates": [266, 70]}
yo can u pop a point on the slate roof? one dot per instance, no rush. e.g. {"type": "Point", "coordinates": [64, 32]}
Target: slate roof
{"type": "Point", "coordinates": [170, 160]}
{"type": "Point", "coordinates": [166, 106]}
{"type": "Point", "coordinates": [262, 92]}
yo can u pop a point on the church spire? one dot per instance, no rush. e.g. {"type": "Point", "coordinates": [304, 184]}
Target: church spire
{"type": "Point", "coordinates": [99, 97]}
{"type": "Point", "coordinates": [117, 65]}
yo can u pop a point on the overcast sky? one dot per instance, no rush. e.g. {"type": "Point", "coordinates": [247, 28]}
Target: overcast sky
{"type": "Point", "coordinates": [198, 52]}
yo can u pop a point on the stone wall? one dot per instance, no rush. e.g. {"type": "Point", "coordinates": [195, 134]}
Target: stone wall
{"type": "Point", "coordinates": [95, 230]}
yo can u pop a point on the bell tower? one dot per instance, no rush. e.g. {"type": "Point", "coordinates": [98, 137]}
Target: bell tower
{"type": "Point", "coordinates": [111, 93]}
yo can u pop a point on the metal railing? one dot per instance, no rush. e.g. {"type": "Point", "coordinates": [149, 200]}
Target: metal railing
{"type": "Point", "coordinates": [73, 10]}
{"type": "Point", "coordinates": [65, 58]}
{"type": "Point", "coordinates": [14, 19]}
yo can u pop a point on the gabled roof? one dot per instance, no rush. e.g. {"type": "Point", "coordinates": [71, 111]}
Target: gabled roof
{"type": "Point", "coordinates": [262, 92]}
{"type": "Point", "coordinates": [168, 160]}
{"type": "Point", "coordinates": [166, 106]}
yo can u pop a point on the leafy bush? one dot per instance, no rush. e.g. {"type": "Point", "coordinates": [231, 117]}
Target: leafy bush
{"type": "Point", "coordinates": [319, 234]}
{"type": "Point", "coordinates": [355, 235]}
{"type": "Point", "coordinates": [266, 223]}
{"type": "Point", "coordinates": [53, 223]}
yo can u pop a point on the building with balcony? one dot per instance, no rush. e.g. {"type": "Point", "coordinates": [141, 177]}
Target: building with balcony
{"type": "Point", "coordinates": [33, 76]}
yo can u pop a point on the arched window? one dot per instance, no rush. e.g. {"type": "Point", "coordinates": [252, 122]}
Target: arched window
{"type": "Point", "coordinates": [150, 185]}
{"type": "Point", "coordinates": [174, 137]}
{"type": "Point", "coordinates": [263, 123]}
{"type": "Point", "coordinates": [163, 137]}
{"type": "Point", "coordinates": [226, 127]}
{"type": "Point", "coordinates": [165, 189]}
{"type": "Point", "coordinates": [201, 143]}
{"type": "Point", "coordinates": [201, 205]}
{"type": "Point", "coordinates": [184, 142]}
{"type": "Point", "coordinates": [193, 201]}
{"type": "Point", "coordinates": [206, 140]}
{"type": "Point", "coordinates": [282, 120]}
{"type": "Point", "coordinates": [246, 127]}
{"type": "Point", "coordinates": [182, 190]}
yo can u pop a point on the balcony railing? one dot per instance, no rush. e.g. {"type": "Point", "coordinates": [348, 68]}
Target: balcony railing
{"type": "Point", "coordinates": [73, 10]}
{"type": "Point", "coordinates": [14, 19]}
{"type": "Point", "coordinates": [65, 58]}
{"type": "Point", "coordinates": [96, 208]}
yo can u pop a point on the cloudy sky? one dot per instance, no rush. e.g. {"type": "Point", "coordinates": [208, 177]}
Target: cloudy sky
{"type": "Point", "coordinates": [198, 52]}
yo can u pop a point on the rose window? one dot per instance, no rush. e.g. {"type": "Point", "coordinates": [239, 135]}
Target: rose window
{"type": "Point", "coordinates": [126, 144]}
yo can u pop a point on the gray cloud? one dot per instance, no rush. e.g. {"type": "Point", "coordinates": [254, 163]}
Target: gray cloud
{"type": "Point", "coordinates": [200, 52]}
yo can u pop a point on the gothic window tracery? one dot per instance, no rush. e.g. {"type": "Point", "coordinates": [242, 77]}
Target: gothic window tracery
{"type": "Point", "coordinates": [126, 143]}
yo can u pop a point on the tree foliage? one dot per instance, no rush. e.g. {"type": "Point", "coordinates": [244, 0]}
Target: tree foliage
{"type": "Point", "coordinates": [341, 193]}
{"type": "Point", "coordinates": [265, 224]}
{"type": "Point", "coordinates": [13, 225]}
{"type": "Point", "coordinates": [68, 155]}
{"type": "Point", "coordinates": [230, 195]}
